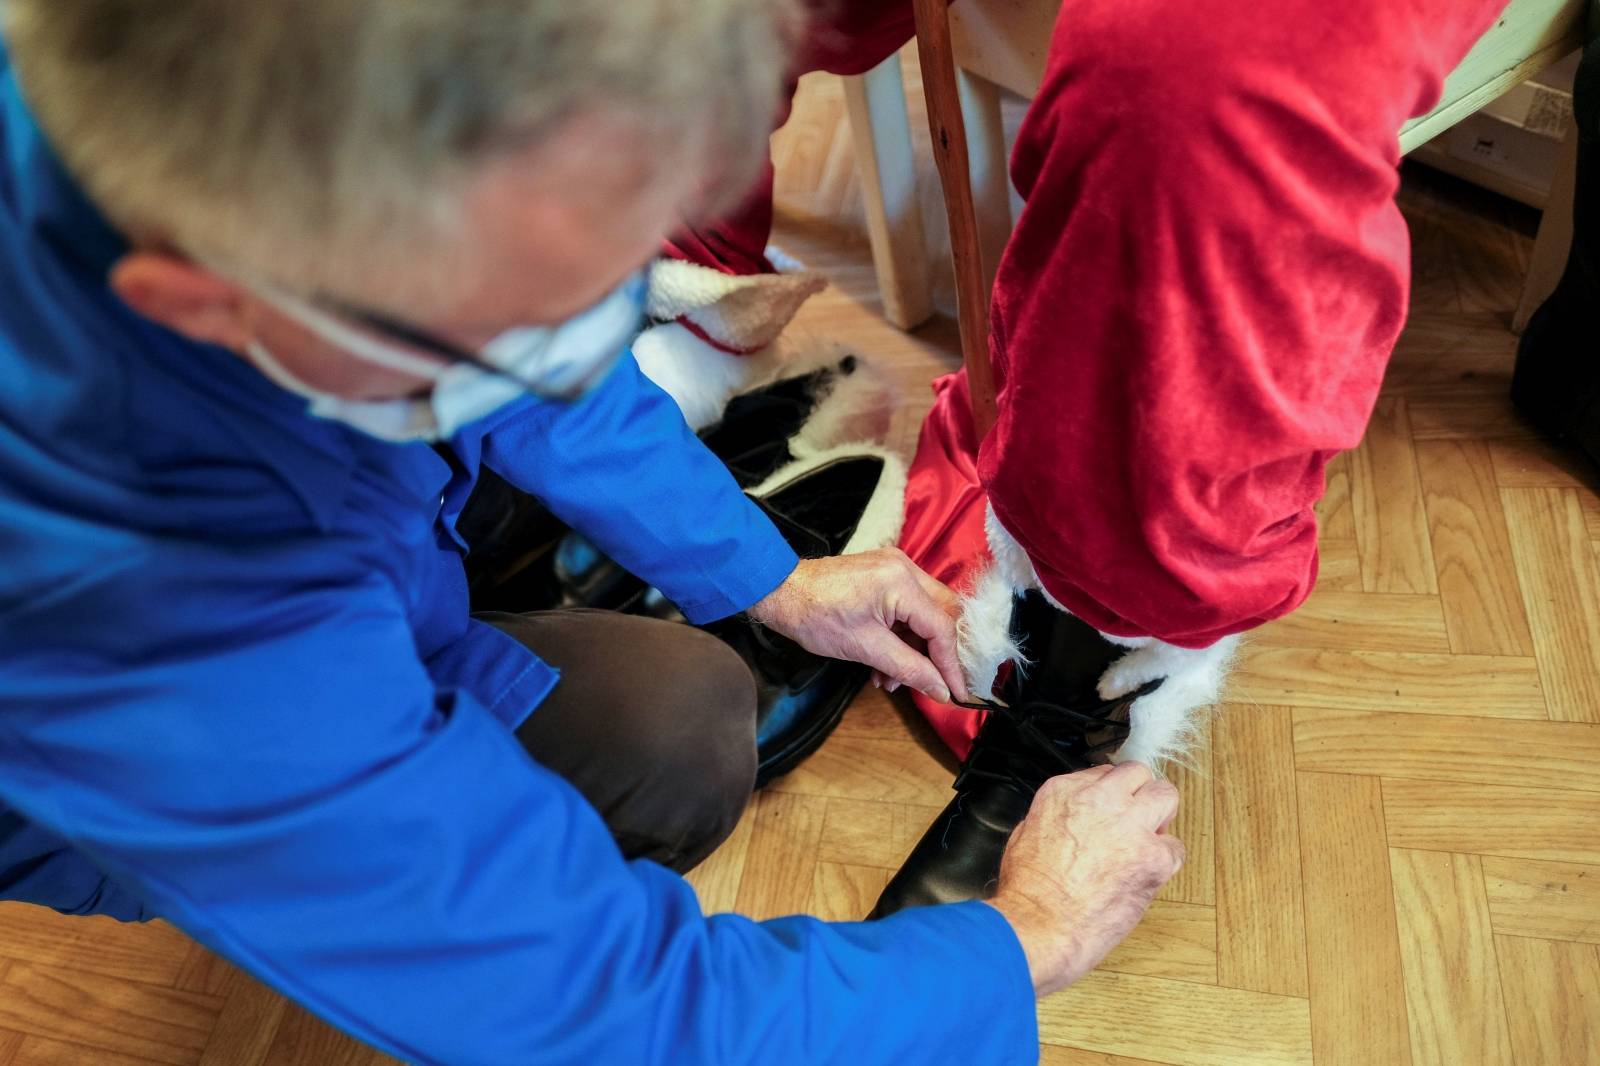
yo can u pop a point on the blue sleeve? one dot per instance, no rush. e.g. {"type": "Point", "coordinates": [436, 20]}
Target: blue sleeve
{"type": "Point", "coordinates": [282, 780]}
{"type": "Point", "coordinates": [622, 467]}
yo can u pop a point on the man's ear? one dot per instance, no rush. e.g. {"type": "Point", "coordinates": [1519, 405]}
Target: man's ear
{"type": "Point", "coordinates": [183, 296]}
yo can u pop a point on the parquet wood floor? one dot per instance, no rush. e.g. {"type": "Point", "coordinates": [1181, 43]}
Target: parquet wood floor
{"type": "Point", "coordinates": [1394, 833]}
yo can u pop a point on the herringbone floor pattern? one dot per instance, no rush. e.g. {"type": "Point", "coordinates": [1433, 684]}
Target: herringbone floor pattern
{"type": "Point", "coordinates": [1394, 835]}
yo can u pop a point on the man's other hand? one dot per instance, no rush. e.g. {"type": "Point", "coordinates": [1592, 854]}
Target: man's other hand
{"type": "Point", "coordinates": [850, 606]}
{"type": "Point", "coordinates": [1083, 866]}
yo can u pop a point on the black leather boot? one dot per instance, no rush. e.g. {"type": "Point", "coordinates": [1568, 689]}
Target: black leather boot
{"type": "Point", "coordinates": [800, 697]}
{"type": "Point", "coordinates": [1054, 722]}
{"type": "Point", "coordinates": [752, 438]}
{"type": "Point", "coordinates": [522, 557]}
{"type": "Point", "coordinates": [513, 539]}
{"type": "Point", "coordinates": [1557, 379]}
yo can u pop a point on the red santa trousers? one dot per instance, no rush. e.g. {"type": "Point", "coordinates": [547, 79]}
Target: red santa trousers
{"type": "Point", "coordinates": [1195, 309]}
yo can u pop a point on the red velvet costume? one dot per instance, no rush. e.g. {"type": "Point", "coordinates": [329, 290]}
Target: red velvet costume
{"type": "Point", "coordinates": [1194, 312]}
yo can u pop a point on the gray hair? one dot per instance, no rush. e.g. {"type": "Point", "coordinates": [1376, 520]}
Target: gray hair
{"type": "Point", "coordinates": [310, 138]}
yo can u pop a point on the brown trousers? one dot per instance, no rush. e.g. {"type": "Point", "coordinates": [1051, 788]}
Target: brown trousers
{"type": "Point", "coordinates": [654, 722]}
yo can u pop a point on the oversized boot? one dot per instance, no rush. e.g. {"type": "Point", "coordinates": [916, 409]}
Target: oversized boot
{"type": "Point", "coordinates": [1557, 379]}
{"type": "Point", "coordinates": [1053, 722]}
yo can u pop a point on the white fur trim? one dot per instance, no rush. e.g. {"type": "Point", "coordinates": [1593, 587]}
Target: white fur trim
{"type": "Point", "coordinates": [885, 512]}
{"type": "Point", "coordinates": [1165, 724]}
{"type": "Point", "coordinates": [745, 311]}
{"type": "Point", "coordinates": [1009, 558]}
{"type": "Point", "coordinates": [983, 631]}
{"type": "Point", "coordinates": [854, 407]}
{"type": "Point", "coordinates": [700, 377]}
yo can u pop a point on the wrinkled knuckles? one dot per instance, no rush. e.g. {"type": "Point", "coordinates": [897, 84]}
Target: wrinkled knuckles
{"type": "Point", "coordinates": [1162, 794]}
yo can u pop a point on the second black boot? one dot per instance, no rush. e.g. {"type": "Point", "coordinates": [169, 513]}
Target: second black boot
{"type": "Point", "coordinates": [1054, 722]}
{"type": "Point", "coordinates": [1557, 379]}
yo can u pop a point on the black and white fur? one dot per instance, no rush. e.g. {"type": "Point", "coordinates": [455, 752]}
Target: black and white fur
{"type": "Point", "coordinates": [1164, 725]}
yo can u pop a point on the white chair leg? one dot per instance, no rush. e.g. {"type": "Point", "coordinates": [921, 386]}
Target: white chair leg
{"type": "Point", "coordinates": [880, 129]}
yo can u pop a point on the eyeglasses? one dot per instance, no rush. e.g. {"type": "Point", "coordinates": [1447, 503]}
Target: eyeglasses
{"type": "Point", "coordinates": [555, 362]}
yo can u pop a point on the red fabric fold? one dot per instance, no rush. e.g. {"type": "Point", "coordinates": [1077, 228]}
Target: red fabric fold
{"type": "Point", "coordinates": [1195, 310]}
{"type": "Point", "coordinates": [944, 531]}
{"type": "Point", "coordinates": [842, 37]}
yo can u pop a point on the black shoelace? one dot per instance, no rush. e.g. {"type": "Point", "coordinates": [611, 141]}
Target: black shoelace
{"type": "Point", "coordinates": [1037, 739]}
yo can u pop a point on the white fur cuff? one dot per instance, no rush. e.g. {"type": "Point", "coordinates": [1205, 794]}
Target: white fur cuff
{"type": "Point", "coordinates": [1163, 724]}
{"type": "Point", "coordinates": [742, 311]}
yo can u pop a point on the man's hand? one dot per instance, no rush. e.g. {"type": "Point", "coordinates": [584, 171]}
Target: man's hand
{"type": "Point", "coordinates": [848, 607]}
{"type": "Point", "coordinates": [1083, 866]}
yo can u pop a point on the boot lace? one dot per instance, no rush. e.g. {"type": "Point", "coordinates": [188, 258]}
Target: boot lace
{"type": "Point", "coordinates": [1025, 744]}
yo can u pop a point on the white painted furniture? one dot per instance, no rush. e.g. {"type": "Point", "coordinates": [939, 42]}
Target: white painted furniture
{"type": "Point", "coordinates": [1000, 45]}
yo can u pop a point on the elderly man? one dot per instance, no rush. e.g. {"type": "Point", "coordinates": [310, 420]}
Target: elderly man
{"type": "Point", "coordinates": [256, 258]}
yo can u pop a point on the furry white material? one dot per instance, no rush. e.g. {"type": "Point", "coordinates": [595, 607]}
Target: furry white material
{"type": "Point", "coordinates": [1009, 558]}
{"type": "Point", "coordinates": [854, 407]}
{"type": "Point", "coordinates": [699, 377]}
{"type": "Point", "coordinates": [746, 312]}
{"type": "Point", "coordinates": [702, 379]}
{"type": "Point", "coordinates": [1163, 725]}
{"type": "Point", "coordinates": [885, 513]}
{"type": "Point", "coordinates": [983, 631]}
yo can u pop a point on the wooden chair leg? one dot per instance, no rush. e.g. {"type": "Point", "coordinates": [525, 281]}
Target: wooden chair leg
{"type": "Point", "coordinates": [951, 155]}
{"type": "Point", "coordinates": [880, 129]}
{"type": "Point", "coordinates": [1554, 241]}
{"type": "Point", "coordinates": [987, 165]}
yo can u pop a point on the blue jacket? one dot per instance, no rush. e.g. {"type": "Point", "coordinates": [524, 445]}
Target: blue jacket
{"type": "Point", "coordinates": [239, 689]}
